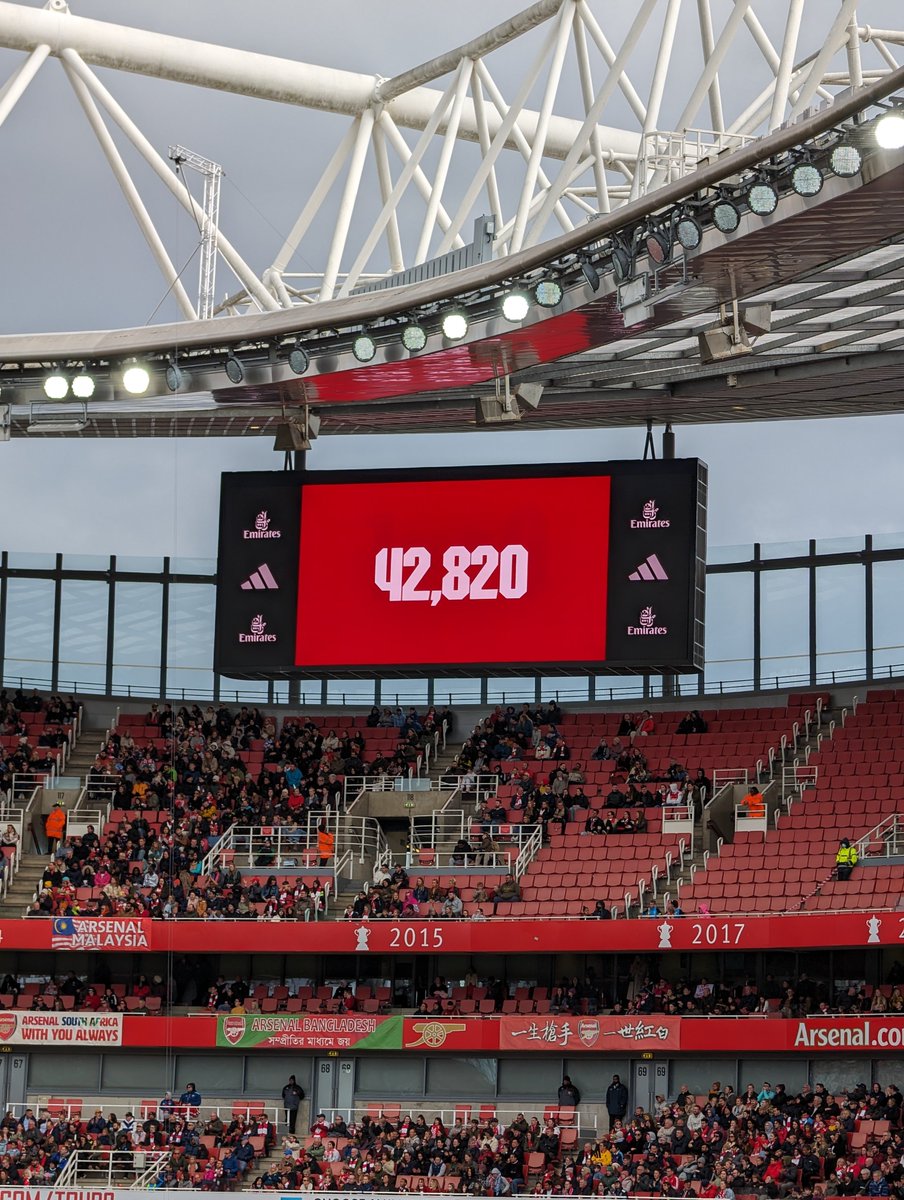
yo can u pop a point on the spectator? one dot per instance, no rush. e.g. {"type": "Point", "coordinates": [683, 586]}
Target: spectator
{"type": "Point", "coordinates": [568, 1094]}
{"type": "Point", "coordinates": [191, 1096]}
{"type": "Point", "coordinates": [55, 827]}
{"type": "Point", "coordinates": [845, 861]}
{"type": "Point", "coordinates": [754, 804]}
{"type": "Point", "coordinates": [616, 1100]}
{"type": "Point", "coordinates": [507, 893]}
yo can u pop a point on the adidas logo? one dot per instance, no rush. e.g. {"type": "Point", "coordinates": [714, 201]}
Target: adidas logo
{"type": "Point", "coordinates": [261, 580]}
{"type": "Point", "coordinates": [650, 569]}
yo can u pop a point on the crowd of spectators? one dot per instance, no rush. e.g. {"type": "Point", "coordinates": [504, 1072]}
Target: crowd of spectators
{"type": "Point", "coordinates": [187, 786]}
{"type": "Point", "coordinates": [33, 728]}
{"type": "Point", "coordinates": [766, 1141]}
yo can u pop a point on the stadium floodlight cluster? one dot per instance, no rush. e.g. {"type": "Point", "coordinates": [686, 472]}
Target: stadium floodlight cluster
{"type": "Point", "coordinates": [661, 238]}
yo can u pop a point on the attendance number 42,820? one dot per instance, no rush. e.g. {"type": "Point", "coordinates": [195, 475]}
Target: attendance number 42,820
{"type": "Point", "coordinates": [483, 573]}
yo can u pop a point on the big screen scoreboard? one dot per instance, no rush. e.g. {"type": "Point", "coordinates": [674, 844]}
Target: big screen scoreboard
{"type": "Point", "coordinates": [581, 567]}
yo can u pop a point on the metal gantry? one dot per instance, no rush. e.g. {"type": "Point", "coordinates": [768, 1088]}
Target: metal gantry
{"type": "Point", "coordinates": [539, 161]}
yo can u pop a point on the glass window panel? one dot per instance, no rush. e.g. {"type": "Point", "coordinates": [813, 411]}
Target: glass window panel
{"type": "Point", "coordinates": [698, 1074]}
{"type": "Point", "coordinates": [189, 651]}
{"type": "Point", "coordinates": [265, 1074]}
{"type": "Point", "coordinates": [839, 545]}
{"type": "Point", "coordinates": [456, 691]}
{"type": "Point", "coordinates": [888, 541]}
{"type": "Point", "coordinates": [565, 688]}
{"type": "Point", "coordinates": [609, 687]}
{"type": "Point", "coordinates": [592, 1077]}
{"type": "Point", "coordinates": [193, 566]}
{"type": "Point", "coordinates": [784, 549]}
{"type": "Point", "coordinates": [840, 1074]}
{"type": "Point", "coordinates": [729, 554]}
{"type": "Point", "coordinates": [246, 691]}
{"type": "Point", "coordinates": [729, 628]}
{"type": "Point", "coordinates": [510, 690]}
{"type": "Point", "coordinates": [521, 1077]}
{"type": "Point", "coordinates": [83, 634]}
{"type": "Point", "coordinates": [29, 630]}
{"type": "Point", "coordinates": [134, 1073]}
{"type": "Point", "coordinates": [144, 566]}
{"type": "Point", "coordinates": [404, 691]}
{"type": "Point", "coordinates": [37, 562]}
{"type": "Point", "coordinates": [217, 1073]}
{"type": "Point", "coordinates": [451, 1077]}
{"type": "Point", "coordinates": [792, 1072]}
{"type": "Point", "coordinates": [136, 637]}
{"type": "Point", "coordinates": [840, 617]}
{"type": "Point", "coordinates": [351, 691]}
{"type": "Point", "coordinates": [888, 632]}
{"type": "Point", "coordinates": [86, 562]}
{"type": "Point", "coordinates": [390, 1077]}
{"type": "Point", "coordinates": [59, 1073]}
{"type": "Point", "coordinates": [785, 625]}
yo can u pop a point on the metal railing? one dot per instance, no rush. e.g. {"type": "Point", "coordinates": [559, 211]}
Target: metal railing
{"type": "Point", "coordinates": [105, 1167]}
{"type": "Point", "coordinates": [143, 1109]}
{"type": "Point", "coordinates": [796, 779]}
{"type": "Point", "coordinates": [885, 840]}
{"type": "Point", "coordinates": [278, 849]}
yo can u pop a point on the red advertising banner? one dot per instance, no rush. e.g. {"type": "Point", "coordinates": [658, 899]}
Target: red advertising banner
{"type": "Point", "coordinates": [611, 1035]}
{"type": "Point", "coordinates": [867, 1034]}
{"type": "Point", "coordinates": [685, 934]}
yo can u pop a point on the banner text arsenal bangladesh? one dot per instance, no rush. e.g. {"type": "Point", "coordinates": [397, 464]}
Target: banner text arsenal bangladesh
{"type": "Point", "coordinates": [339, 1032]}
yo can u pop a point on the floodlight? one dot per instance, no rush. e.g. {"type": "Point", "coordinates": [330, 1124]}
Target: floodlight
{"type": "Point", "coordinates": [591, 274]}
{"type": "Point", "coordinates": [622, 262]}
{"type": "Point", "coordinates": [806, 179]}
{"type": "Point", "coordinates": [455, 325]}
{"type": "Point", "coordinates": [890, 131]}
{"type": "Point", "coordinates": [136, 379]}
{"type": "Point", "coordinates": [548, 293]}
{"type": "Point", "coordinates": [688, 232]}
{"type": "Point", "coordinates": [175, 377]}
{"type": "Point", "coordinates": [659, 244]}
{"type": "Point", "coordinates": [515, 306]}
{"type": "Point", "coordinates": [298, 359]}
{"type": "Point", "coordinates": [726, 216]}
{"type": "Point", "coordinates": [83, 386]}
{"type": "Point", "coordinates": [235, 372]}
{"type": "Point", "coordinates": [845, 160]}
{"type": "Point", "coordinates": [414, 337]}
{"type": "Point", "coordinates": [762, 199]}
{"type": "Point", "coordinates": [56, 387]}
{"type": "Point", "coordinates": [364, 347]}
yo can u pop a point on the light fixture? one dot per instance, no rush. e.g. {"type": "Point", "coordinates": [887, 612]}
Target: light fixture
{"type": "Point", "coordinates": [83, 385]}
{"type": "Point", "coordinates": [548, 293]}
{"type": "Point", "coordinates": [845, 160]}
{"type": "Point", "coordinates": [235, 372]}
{"type": "Point", "coordinates": [414, 337]}
{"type": "Point", "coordinates": [515, 306]}
{"type": "Point", "coordinates": [658, 242]}
{"type": "Point", "coordinates": [56, 387]}
{"type": "Point", "coordinates": [806, 179]}
{"type": "Point", "coordinates": [726, 216]}
{"type": "Point", "coordinates": [455, 325]}
{"type": "Point", "coordinates": [299, 359]}
{"type": "Point", "coordinates": [762, 199]}
{"type": "Point", "coordinates": [890, 131]}
{"type": "Point", "coordinates": [364, 347]}
{"type": "Point", "coordinates": [688, 231]}
{"type": "Point", "coordinates": [591, 274]}
{"type": "Point", "coordinates": [175, 377]}
{"type": "Point", "coordinates": [136, 379]}
{"type": "Point", "coordinates": [622, 262]}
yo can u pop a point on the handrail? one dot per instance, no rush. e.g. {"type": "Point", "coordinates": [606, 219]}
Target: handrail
{"type": "Point", "coordinates": [890, 832]}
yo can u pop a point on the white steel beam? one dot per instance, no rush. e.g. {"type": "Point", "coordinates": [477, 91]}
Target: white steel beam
{"type": "Point", "coordinates": [384, 177]}
{"type": "Point", "coordinates": [660, 73]}
{"type": "Point", "coordinates": [15, 86]}
{"type": "Point", "coordinates": [553, 75]}
{"type": "Point", "coordinates": [264, 76]}
{"type": "Point", "coordinates": [464, 71]}
{"type": "Point", "coordinates": [479, 47]}
{"type": "Point", "coordinates": [347, 204]}
{"type": "Point", "coordinates": [585, 74]}
{"type": "Point", "coordinates": [786, 63]}
{"type": "Point", "coordinates": [132, 195]}
{"type": "Point", "coordinates": [480, 110]}
{"type": "Point", "coordinates": [705, 20]}
{"type": "Point", "coordinates": [237, 264]}
{"type": "Point", "coordinates": [835, 39]}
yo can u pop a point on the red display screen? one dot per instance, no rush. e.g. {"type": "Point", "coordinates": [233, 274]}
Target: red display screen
{"type": "Point", "coordinates": [594, 566]}
{"type": "Point", "coordinates": [454, 571]}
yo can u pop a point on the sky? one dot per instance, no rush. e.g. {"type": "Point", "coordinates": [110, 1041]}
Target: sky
{"type": "Point", "coordinates": [78, 262]}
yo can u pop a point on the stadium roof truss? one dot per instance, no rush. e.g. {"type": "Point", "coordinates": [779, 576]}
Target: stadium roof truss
{"type": "Point", "coordinates": [561, 191]}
